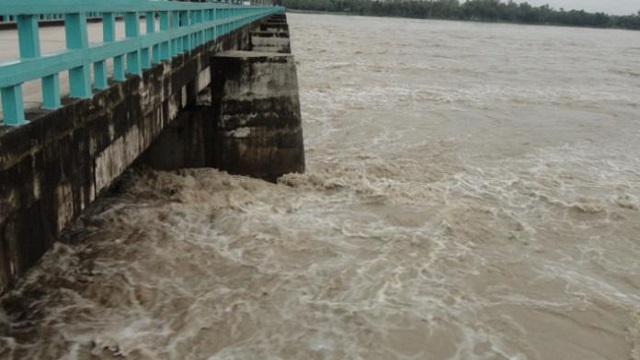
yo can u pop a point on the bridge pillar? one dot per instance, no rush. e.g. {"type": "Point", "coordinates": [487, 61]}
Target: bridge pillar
{"type": "Point", "coordinates": [272, 36]}
{"type": "Point", "coordinates": [256, 111]}
{"type": "Point", "coordinates": [270, 41]}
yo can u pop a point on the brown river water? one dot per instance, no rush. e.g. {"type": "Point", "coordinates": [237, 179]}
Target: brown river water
{"type": "Point", "coordinates": [473, 192]}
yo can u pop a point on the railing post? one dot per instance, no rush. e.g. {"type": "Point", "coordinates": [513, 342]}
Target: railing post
{"type": "Point", "coordinates": [109, 35]}
{"type": "Point", "coordinates": [100, 75]}
{"type": "Point", "coordinates": [215, 28]}
{"type": "Point", "coordinates": [99, 67]}
{"type": "Point", "coordinates": [212, 30]}
{"type": "Point", "coordinates": [200, 20]}
{"type": "Point", "coordinates": [28, 36]}
{"type": "Point", "coordinates": [12, 101]}
{"type": "Point", "coordinates": [165, 47]}
{"type": "Point", "coordinates": [155, 49]}
{"type": "Point", "coordinates": [184, 22]}
{"type": "Point", "coordinates": [75, 26]}
{"type": "Point", "coordinates": [12, 105]}
{"type": "Point", "coordinates": [146, 54]}
{"type": "Point", "coordinates": [51, 92]}
{"type": "Point", "coordinates": [195, 18]}
{"type": "Point", "coordinates": [176, 46]}
{"type": "Point", "coordinates": [222, 13]}
{"type": "Point", "coordinates": [132, 30]}
{"type": "Point", "coordinates": [29, 41]}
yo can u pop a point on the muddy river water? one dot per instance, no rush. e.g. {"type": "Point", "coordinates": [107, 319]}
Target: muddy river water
{"type": "Point", "coordinates": [473, 192]}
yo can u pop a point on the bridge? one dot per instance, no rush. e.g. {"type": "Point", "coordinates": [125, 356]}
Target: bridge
{"type": "Point", "coordinates": [110, 83]}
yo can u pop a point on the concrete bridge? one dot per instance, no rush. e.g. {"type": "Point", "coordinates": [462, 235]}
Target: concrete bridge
{"type": "Point", "coordinates": [84, 100]}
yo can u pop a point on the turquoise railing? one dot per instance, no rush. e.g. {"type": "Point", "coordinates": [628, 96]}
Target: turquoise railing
{"type": "Point", "coordinates": [42, 17]}
{"type": "Point", "coordinates": [182, 27]}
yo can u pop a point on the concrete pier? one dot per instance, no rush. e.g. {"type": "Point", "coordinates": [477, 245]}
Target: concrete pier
{"type": "Point", "coordinates": [270, 41]}
{"type": "Point", "coordinates": [248, 123]}
{"type": "Point", "coordinates": [256, 110]}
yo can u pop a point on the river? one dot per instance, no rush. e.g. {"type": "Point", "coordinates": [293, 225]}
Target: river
{"type": "Point", "coordinates": [473, 192]}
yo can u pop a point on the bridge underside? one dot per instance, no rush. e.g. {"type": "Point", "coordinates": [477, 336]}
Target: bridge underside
{"type": "Point", "coordinates": [52, 168]}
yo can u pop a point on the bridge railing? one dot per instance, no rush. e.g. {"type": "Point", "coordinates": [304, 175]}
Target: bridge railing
{"type": "Point", "coordinates": [182, 27]}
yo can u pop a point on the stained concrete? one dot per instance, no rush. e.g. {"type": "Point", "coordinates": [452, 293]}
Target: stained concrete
{"type": "Point", "coordinates": [185, 143]}
{"type": "Point", "coordinates": [279, 27]}
{"type": "Point", "coordinates": [248, 123]}
{"type": "Point", "coordinates": [256, 112]}
{"type": "Point", "coordinates": [270, 41]}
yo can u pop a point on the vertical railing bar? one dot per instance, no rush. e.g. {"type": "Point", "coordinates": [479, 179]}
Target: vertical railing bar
{"type": "Point", "coordinates": [206, 18]}
{"type": "Point", "coordinates": [175, 43]}
{"type": "Point", "coordinates": [29, 46]}
{"type": "Point", "coordinates": [146, 53]}
{"type": "Point", "coordinates": [201, 33]}
{"type": "Point", "coordinates": [195, 36]}
{"type": "Point", "coordinates": [185, 22]}
{"type": "Point", "coordinates": [165, 47]}
{"type": "Point", "coordinates": [151, 28]}
{"type": "Point", "coordinates": [109, 35]}
{"type": "Point", "coordinates": [77, 38]}
{"type": "Point", "coordinates": [132, 30]}
{"type": "Point", "coordinates": [99, 67]}
{"type": "Point", "coordinates": [212, 16]}
{"type": "Point", "coordinates": [215, 28]}
{"type": "Point", "coordinates": [51, 98]}
{"type": "Point", "coordinates": [100, 75]}
{"type": "Point", "coordinates": [28, 37]}
{"type": "Point", "coordinates": [193, 19]}
{"type": "Point", "coordinates": [12, 105]}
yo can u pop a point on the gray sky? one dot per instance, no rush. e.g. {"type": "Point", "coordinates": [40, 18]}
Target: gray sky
{"type": "Point", "coordinates": [618, 7]}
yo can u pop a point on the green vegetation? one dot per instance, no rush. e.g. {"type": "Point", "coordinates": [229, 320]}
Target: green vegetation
{"type": "Point", "coordinates": [475, 10]}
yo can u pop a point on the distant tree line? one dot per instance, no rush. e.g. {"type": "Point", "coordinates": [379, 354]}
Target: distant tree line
{"type": "Point", "coordinates": [475, 10]}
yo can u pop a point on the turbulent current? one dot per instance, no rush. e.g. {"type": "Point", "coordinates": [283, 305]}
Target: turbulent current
{"type": "Point", "coordinates": [473, 192]}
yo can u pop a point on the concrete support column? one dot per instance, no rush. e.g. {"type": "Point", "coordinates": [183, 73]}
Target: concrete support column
{"type": "Point", "coordinates": [256, 112]}
{"type": "Point", "coordinates": [270, 41]}
{"type": "Point", "coordinates": [272, 36]}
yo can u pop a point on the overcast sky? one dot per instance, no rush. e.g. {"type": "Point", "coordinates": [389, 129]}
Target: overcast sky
{"type": "Point", "coordinates": [618, 7]}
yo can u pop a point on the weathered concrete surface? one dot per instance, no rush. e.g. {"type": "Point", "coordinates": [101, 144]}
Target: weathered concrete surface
{"type": "Point", "coordinates": [55, 166]}
{"type": "Point", "coordinates": [270, 41]}
{"type": "Point", "coordinates": [184, 142]}
{"type": "Point", "coordinates": [273, 36]}
{"type": "Point", "coordinates": [274, 27]}
{"type": "Point", "coordinates": [256, 111]}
